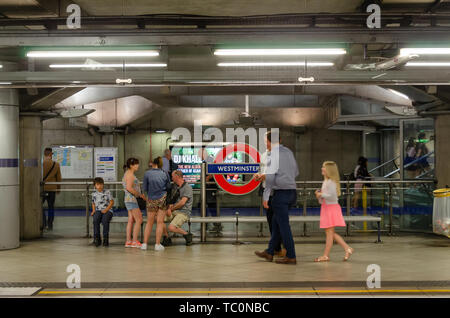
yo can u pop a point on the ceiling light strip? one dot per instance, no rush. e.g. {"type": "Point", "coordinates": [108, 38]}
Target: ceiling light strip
{"type": "Point", "coordinates": [259, 52]}
{"type": "Point", "coordinates": [69, 54]}
{"type": "Point", "coordinates": [239, 64]}
{"type": "Point", "coordinates": [424, 51]}
{"type": "Point", "coordinates": [427, 64]}
{"type": "Point", "coordinates": [233, 82]}
{"type": "Point", "coordinates": [106, 65]}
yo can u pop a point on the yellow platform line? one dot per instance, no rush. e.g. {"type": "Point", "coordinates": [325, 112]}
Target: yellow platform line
{"type": "Point", "coordinates": [393, 291]}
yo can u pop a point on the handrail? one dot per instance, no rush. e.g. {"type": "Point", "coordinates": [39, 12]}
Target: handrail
{"type": "Point", "coordinates": [409, 164]}
{"type": "Point", "coordinates": [425, 173]}
{"type": "Point", "coordinates": [304, 192]}
{"type": "Point", "coordinates": [297, 182]}
{"type": "Point", "coordinates": [384, 164]}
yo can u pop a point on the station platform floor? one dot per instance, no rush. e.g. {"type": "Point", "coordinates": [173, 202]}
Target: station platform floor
{"type": "Point", "coordinates": [412, 265]}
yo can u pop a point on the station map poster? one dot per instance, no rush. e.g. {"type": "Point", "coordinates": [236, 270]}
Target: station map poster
{"type": "Point", "coordinates": [105, 163]}
{"type": "Point", "coordinates": [76, 162]}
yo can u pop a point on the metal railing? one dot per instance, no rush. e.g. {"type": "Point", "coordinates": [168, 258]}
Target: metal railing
{"type": "Point", "coordinates": [385, 164]}
{"type": "Point", "coordinates": [397, 169]}
{"type": "Point", "coordinates": [304, 189]}
{"type": "Point", "coordinates": [409, 164]}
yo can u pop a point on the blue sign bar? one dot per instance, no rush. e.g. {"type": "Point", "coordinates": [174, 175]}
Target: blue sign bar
{"type": "Point", "coordinates": [232, 168]}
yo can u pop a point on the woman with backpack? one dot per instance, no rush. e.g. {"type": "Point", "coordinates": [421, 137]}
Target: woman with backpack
{"type": "Point", "coordinates": [155, 185]}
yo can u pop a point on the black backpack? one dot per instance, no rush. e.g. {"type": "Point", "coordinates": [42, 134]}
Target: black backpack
{"type": "Point", "coordinates": [173, 194]}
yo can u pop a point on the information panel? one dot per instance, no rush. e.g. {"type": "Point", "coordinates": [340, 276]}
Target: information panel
{"type": "Point", "coordinates": [106, 163]}
{"type": "Point", "coordinates": [76, 162]}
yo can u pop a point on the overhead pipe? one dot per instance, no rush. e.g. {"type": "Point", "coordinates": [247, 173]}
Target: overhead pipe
{"type": "Point", "coordinates": [39, 114]}
{"type": "Point", "coordinates": [434, 113]}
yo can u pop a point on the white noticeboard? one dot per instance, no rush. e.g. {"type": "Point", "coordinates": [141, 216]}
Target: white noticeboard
{"type": "Point", "coordinates": [106, 163]}
{"type": "Point", "coordinates": [75, 161]}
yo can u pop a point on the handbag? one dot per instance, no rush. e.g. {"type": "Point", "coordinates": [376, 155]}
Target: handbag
{"type": "Point", "coordinates": [142, 203]}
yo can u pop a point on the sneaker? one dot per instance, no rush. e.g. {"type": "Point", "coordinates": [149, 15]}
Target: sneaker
{"type": "Point", "coordinates": [159, 247]}
{"type": "Point", "coordinates": [129, 244]}
{"type": "Point", "coordinates": [136, 244]}
{"type": "Point", "coordinates": [188, 238]}
{"type": "Point", "coordinates": [144, 246]}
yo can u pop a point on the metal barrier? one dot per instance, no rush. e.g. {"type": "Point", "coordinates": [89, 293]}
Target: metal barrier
{"type": "Point", "coordinates": [304, 190]}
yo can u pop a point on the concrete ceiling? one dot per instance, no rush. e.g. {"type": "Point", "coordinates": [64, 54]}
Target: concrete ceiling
{"type": "Point", "coordinates": [216, 7]}
{"type": "Point", "coordinates": [55, 8]}
{"type": "Point", "coordinates": [187, 48]}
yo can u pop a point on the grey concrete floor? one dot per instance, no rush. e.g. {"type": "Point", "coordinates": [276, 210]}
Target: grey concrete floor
{"type": "Point", "coordinates": [412, 265]}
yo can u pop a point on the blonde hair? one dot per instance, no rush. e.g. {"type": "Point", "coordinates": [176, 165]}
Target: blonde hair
{"type": "Point", "coordinates": [332, 172]}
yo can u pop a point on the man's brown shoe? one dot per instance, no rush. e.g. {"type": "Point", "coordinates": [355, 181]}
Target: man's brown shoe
{"type": "Point", "coordinates": [286, 260]}
{"type": "Point", "coordinates": [281, 253]}
{"type": "Point", "coordinates": [265, 255]}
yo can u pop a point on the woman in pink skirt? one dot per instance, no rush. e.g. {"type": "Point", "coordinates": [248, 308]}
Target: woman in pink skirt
{"type": "Point", "coordinates": [330, 212]}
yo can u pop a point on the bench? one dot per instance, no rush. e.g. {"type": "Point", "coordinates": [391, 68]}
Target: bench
{"type": "Point", "coordinates": [260, 219]}
{"type": "Point", "coordinates": [294, 218]}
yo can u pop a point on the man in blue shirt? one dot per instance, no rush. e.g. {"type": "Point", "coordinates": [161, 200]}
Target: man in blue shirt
{"type": "Point", "coordinates": [279, 177]}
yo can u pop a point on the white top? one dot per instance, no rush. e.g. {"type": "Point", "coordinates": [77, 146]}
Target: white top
{"type": "Point", "coordinates": [329, 192]}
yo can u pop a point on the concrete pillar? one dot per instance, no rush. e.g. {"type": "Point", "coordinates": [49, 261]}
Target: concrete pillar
{"type": "Point", "coordinates": [442, 146]}
{"type": "Point", "coordinates": [9, 169]}
{"type": "Point", "coordinates": [30, 177]}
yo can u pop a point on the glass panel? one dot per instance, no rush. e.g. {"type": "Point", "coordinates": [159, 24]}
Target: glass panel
{"type": "Point", "coordinates": [418, 148]}
{"type": "Point", "coordinates": [412, 206]}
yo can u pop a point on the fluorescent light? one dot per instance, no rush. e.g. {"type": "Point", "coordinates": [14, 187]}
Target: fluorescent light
{"type": "Point", "coordinates": [160, 131]}
{"type": "Point", "coordinates": [117, 53]}
{"type": "Point", "coordinates": [398, 93]}
{"type": "Point", "coordinates": [275, 64]}
{"type": "Point", "coordinates": [233, 82]}
{"type": "Point", "coordinates": [420, 51]}
{"type": "Point", "coordinates": [106, 65]}
{"type": "Point", "coordinates": [427, 64]}
{"type": "Point", "coordinates": [242, 52]}
{"type": "Point", "coordinates": [5, 83]}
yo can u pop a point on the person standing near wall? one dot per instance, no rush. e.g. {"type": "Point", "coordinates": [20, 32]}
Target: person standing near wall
{"type": "Point", "coordinates": [132, 191]}
{"type": "Point", "coordinates": [280, 177]}
{"type": "Point", "coordinates": [168, 165]}
{"type": "Point", "coordinates": [51, 173]}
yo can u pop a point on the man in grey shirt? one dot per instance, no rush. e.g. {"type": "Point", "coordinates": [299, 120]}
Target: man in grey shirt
{"type": "Point", "coordinates": [279, 176]}
{"type": "Point", "coordinates": [180, 212]}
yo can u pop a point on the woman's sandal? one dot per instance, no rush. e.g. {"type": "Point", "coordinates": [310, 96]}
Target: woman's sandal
{"type": "Point", "coordinates": [322, 259]}
{"type": "Point", "coordinates": [348, 253]}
